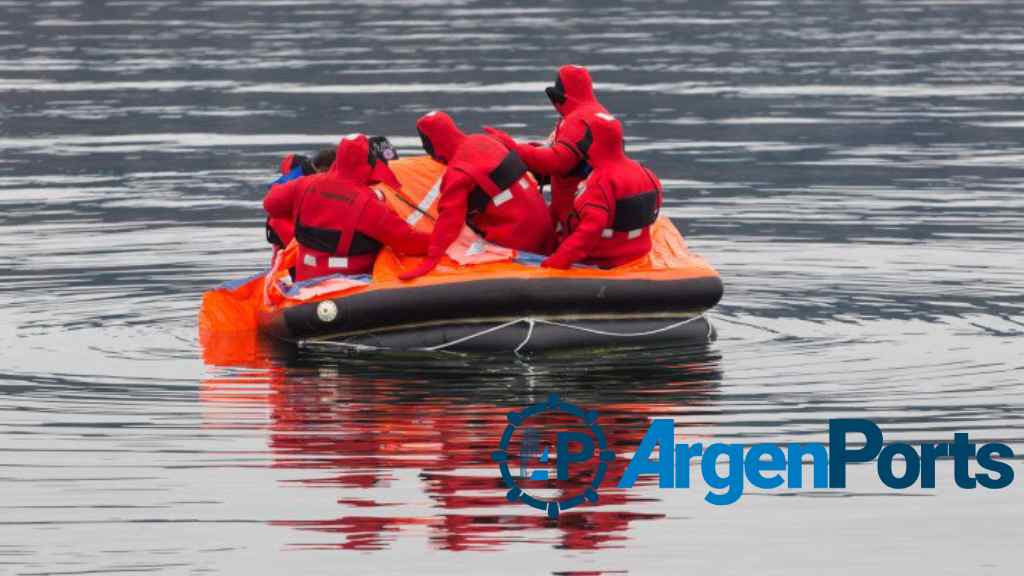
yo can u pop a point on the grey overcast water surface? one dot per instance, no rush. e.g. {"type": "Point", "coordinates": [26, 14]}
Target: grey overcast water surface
{"type": "Point", "coordinates": [855, 170]}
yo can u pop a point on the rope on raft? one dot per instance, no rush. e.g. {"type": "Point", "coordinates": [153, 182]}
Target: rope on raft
{"type": "Point", "coordinates": [531, 322]}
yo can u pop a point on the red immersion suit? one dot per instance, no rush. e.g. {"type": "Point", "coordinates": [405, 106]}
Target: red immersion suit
{"type": "Point", "coordinates": [565, 158]}
{"type": "Point", "coordinates": [614, 208]}
{"type": "Point", "coordinates": [485, 186]}
{"type": "Point", "coordinates": [340, 222]}
{"type": "Point", "coordinates": [280, 231]}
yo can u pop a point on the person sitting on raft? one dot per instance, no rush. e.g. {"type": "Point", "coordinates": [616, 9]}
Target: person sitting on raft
{"type": "Point", "coordinates": [564, 159]}
{"type": "Point", "coordinates": [340, 222]}
{"type": "Point", "coordinates": [280, 231]}
{"type": "Point", "coordinates": [614, 207]}
{"type": "Point", "coordinates": [484, 186]}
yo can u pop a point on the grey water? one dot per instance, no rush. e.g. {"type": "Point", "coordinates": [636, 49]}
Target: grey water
{"type": "Point", "coordinates": [854, 169]}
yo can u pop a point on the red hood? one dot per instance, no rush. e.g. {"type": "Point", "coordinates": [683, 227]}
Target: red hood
{"type": "Point", "coordinates": [608, 146]}
{"type": "Point", "coordinates": [441, 137]}
{"type": "Point", "coordinates": [287, 163]}
{"type": "Point", "coordinates": [355, 162]}
{"type": "Point", "coordinates": [575, 83]}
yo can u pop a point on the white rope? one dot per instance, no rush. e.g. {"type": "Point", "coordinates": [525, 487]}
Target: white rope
{"type": "Point", "coordinates": [313, 344]}
{"type": "Point", "coordinates": [531, 322]}
{"type": "Point", "coordinates": [529, 334]}
{"type": "Point", "coordinates": [471, 336]}
{"type": "Point", "coordinates": [623, 334]}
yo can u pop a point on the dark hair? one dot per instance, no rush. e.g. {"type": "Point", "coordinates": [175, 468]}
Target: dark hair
{"type": "Point", "coordinates": [324, 158]}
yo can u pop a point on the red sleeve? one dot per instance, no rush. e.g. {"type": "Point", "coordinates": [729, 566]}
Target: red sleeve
{"type": "Point", "coordinates": [379, 222]}
{"type": "Point", "coordinates": [559, 158]}
{"type": "Point", "coordinates": [451, 211]}
{"type": "Point", "coordinates": [280, 199]}
{"type": "Point", "coordinates": [595, 216]}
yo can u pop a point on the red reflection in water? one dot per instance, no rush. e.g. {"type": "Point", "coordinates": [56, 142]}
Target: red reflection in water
{"type": "Point", "coordinates": [358, 432]}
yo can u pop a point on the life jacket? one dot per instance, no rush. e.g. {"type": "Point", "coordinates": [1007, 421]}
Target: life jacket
{"type": "Point", "coordinates": [578, 106]}
{"type": "Point", "coordinates": [328, 213]}
{"type": "Point", "coordinates": [505, 206]}
{"type": "Point", "coordinates": [629, 191]}
{"type": "Point", "coordinates": [280, 231]}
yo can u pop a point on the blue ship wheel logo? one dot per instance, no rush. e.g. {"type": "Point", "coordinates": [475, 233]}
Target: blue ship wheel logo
{"type": "Point", "coordinates": [552, 507]}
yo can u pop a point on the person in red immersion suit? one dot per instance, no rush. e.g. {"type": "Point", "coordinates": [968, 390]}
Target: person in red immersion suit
{"type": "Point", "coordinates": [565, 158]}
{"type": "Point", "coordinates": [280, 231]}
{"type": "Point", "coordinates": [614, 207]}
{"type": "Point", "coordinates": [340, 222]}
{"type": "Point", "coordinates": [485, 186]}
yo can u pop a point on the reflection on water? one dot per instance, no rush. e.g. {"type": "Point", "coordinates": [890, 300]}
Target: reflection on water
{"type": "Point", "coordinates": [357, 425]}
{"type": "Point", "coordinates": [853, 169]}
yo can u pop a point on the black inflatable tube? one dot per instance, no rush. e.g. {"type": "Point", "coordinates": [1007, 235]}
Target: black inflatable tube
{"type": "Point", "coordinates": [445, 306]}
{"type": "Point", "coordinates": [529, 336]}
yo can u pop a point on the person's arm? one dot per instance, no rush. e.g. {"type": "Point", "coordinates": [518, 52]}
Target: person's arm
{"type": "Point", "coordinates": [595, 216]}
{"type": "Point", "coordinates": [380, 223]}
{"type": "Point", "coordinates": [280, 199]}
{"type": "Point", "coordinates": [451, 217]}
{"type": "Point", "coordinates": [451, 211]}
{"type": "Point", "coordinates": [557, 159]}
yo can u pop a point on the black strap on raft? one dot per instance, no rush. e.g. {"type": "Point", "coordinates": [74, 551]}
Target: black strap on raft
{"type": "Point", "coordinates": [636, 212]}
{"type": "Point", "coordinates": [503, 177]}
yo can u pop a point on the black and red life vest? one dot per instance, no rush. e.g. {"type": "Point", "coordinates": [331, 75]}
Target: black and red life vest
{"type": "Point", "coordinates": [629, 192]}
{"type": "Point", "coordinates": [505, 206]}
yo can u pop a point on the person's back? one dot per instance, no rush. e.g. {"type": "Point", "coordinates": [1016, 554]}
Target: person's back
{"type": "Point", "coordinates": [487, 160]}
{"type": "Point", "coordinates": [614, 208]}
{"type": "Point", "coordinates": [486, 187]}
{"type": "Point", "coordinates": [340, 222]}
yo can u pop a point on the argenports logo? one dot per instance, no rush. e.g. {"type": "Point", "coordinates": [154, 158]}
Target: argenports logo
{"type": "Point", "coordinates": [572, 446]}
{"type": "Point", "coordinates": [727, 469]}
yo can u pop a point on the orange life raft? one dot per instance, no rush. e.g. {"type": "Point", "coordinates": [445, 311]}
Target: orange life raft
{"type": "Point", "coordinates": [480, 298]}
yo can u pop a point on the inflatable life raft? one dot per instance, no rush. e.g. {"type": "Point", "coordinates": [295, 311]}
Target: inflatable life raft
{"type": "Point", "coordinates": [481, 297]}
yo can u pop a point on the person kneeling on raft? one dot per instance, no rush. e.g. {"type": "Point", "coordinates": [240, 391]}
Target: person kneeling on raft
{"type": "Point", "coordinates": [340, 222]}
{"type": "Point", "coordinates": [486, 187]}
{"type": "Point", "coordinates": [280, 231]}
{"type": "Point", "coordinates": [565, 158]}
{"type": "Point", "coordinates": [614, 207]}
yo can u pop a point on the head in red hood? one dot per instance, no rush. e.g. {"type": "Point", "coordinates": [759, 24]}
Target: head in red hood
{"type": "Point", "coordinates": [292, 161]}
{"type": "Point", "coordinates": [440, 136]}
{"type": "Point", "coordinates": [608, 145]}
{"type": "Point", "coordinates": [573, 87]}
{"type": "Point", "coordinates": [357, 161]}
